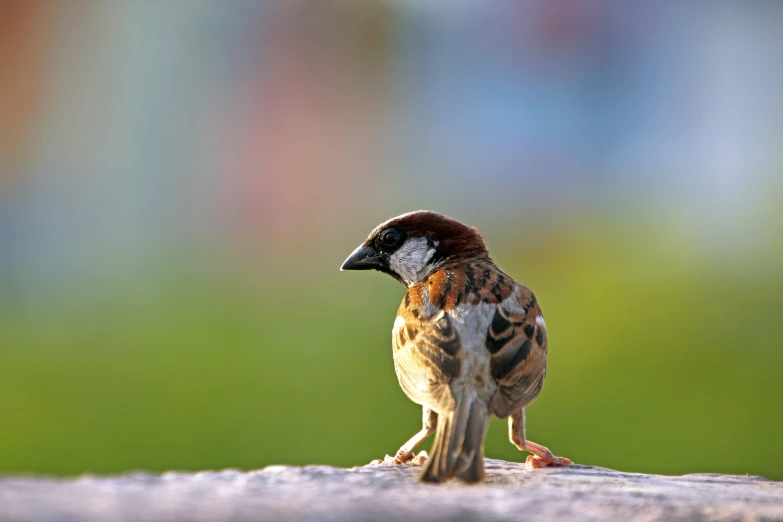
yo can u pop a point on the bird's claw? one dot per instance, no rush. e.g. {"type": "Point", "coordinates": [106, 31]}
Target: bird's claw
{"type": "Point", "coordinates": [536, 462]}
{"type": "Point", "coordinates": [420, 459]}
{"type": "Point", "coordinates": [409, 458]}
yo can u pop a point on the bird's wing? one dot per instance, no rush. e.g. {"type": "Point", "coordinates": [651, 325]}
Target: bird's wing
{"type": "Point", "coordinates": [517, 340]}
{"type": "Point", "coordinates": [427, 357]}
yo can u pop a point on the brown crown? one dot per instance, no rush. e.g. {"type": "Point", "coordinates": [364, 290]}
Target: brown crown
{"type": "Point", "coordinates": [456, 242]}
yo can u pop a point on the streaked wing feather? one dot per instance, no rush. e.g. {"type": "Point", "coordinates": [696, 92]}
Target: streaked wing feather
{"type": "Point", "coordinates": [518, 344]}
{"type": "Point", "coordinates": [427, 357]}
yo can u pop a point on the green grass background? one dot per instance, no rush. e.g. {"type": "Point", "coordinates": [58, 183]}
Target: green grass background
{"type": "Point", "coordinates": [658, 363]}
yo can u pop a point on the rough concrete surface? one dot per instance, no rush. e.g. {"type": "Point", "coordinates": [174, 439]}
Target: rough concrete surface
{"type": "Point", "coordinates": [388, 492]}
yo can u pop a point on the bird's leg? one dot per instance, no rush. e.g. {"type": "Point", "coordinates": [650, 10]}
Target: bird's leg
{"type": "Point", "coordinates": [541, 456]}
{"type": "Point", "coordinates": [429, 420]}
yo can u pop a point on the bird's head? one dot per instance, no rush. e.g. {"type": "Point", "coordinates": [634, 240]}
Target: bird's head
{"type": "Point", "coordinates": [412, 246]}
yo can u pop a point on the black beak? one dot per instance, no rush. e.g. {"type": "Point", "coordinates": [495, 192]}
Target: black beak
{"type": "Point", "coordinates": [363, 258]}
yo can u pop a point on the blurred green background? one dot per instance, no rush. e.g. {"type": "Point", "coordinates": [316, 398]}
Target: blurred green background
{"type": "Point", "coordinates": [179, 184]}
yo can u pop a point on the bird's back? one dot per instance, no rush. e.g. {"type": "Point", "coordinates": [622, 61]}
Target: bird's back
{"type": "Point", "coordinates": [466, 327]}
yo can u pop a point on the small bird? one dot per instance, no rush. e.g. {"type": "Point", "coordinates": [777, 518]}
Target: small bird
{"type": "Point", "coordinates": [468, 341]}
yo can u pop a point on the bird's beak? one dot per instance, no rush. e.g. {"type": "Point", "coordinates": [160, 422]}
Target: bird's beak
{"type": "Point", "coordinates": [363, 258]}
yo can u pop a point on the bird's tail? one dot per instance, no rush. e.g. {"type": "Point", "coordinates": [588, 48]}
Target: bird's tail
{"type": "Point", "coordinates": [458, 450]}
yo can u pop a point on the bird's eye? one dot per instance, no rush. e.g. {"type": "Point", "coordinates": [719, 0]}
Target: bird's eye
{"type": "Point", "coordinates": [390, 238]}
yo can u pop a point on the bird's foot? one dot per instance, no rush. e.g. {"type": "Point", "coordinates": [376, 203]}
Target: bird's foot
{"type": "Point", "coordinates": [401, 458]}
{"type": "Point", "coordinates": [542, 457]}
{"type": "Point", "coordinates": [408, 457]}
{"type": "Point", "coordinates": [535, 462]}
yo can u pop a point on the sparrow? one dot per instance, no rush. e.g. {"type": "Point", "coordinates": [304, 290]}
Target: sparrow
{"type": "Point", "coordinates": [468, 342]}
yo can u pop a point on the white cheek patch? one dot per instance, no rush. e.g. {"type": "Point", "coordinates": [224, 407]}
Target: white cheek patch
{"type": "Point", "coordinates": [410, 260]}
{"type": "Point", "coordinates": [540, 321]}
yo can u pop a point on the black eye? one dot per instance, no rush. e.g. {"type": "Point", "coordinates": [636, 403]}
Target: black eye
{"type": "Point", "coordinates": [390, 238]}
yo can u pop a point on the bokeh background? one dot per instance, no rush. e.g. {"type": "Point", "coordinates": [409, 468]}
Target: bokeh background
{"type": "Point", "coordinates": [180, 181]}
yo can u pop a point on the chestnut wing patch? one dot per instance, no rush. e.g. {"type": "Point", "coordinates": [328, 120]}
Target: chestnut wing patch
{"type": "Point", "coordinates": [517, 344]}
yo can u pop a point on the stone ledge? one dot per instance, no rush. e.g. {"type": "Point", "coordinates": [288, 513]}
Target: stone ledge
{"type": "Point", "coordinates": [384, 491]}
